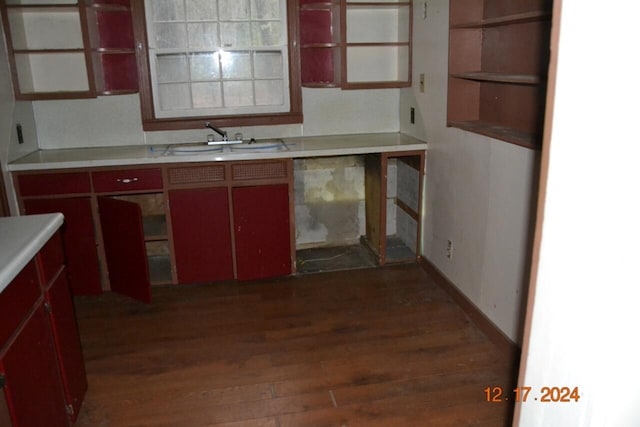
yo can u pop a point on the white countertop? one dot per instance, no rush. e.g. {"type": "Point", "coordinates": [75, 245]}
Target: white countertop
{"type": "Point", "coordinates": [320, 146]}
{"type": "Point", "coordinates": [21, 237]}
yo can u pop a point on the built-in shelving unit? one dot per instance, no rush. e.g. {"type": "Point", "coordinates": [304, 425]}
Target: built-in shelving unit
{"type": "Point", "coordinates": [64, 49]}
{"type": "Point", "coordinates": [498, 60]}
{"type": "Point", "coordinates": [46, 47]}
{"type": "Point", "coordinates": [320, 43]}
{"type": "Point", "coordinates": [112, 46]}
{"type": "Point", "coordinates": [355, 44]}
{"type": "Point", "coordinates": [376, 49]}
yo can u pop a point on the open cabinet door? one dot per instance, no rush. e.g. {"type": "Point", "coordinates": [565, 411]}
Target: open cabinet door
{"type": "Point", "coordinates": [123, 237]}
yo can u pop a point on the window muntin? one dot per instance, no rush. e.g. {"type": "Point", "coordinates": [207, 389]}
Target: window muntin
{"type": "Point", "coordinates": [218, 58]}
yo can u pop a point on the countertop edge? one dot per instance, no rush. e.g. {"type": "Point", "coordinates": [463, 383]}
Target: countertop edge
{"type": "Point", "coordinates": [410, 144]}
{"type": "Point", "coordinates": [39, 232]}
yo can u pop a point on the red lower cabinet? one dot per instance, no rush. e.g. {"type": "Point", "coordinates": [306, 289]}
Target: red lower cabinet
{"type": "Point", "coordinates": [201, 234]}
{"type": "Point", "coordinates": [33, 385]}
{"type": "Point", "coordinates": [262, 231]}
{"type": "Point", "coordinates": [42, 375]}
{"type": "Point", "coordinates": [67, 338]}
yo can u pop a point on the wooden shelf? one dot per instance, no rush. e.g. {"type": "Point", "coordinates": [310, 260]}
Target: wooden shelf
{"type": "Point", "coordinates": [155, 228]}
{"type": "Point", "coordinates": [160, 270]}
{"type": "Point", "coordinates": [503, 133]}
{"type": "Point", "coordinates": [378, 44]}
{"type": "Point", "coordinates": [517, 18]}
{"type": "Point", "coordinates": [318, 6]}
{"type": "Point", "coordinates": [378, 4]}
{"type": "Point", "coordinates": [52, 8]}
{"type": "Point", "coordinates": [524, 79]}
{"type": "Point", "coordinates": [318, 45]}
{"type": "Point", "coordinates": [498, 61]}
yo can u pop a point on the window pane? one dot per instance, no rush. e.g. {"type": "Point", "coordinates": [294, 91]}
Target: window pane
{"type": "Point", "coordinates": [267, 34]}
{"type": "Point", "coordinates": [205, 66]}
{"type": "Point", "coordinates": [238, 94]}
{"type": "Point", "coordinates": [168, 10]}
{"type": "Point", "coordinates": [269, 92]}
{"type": "Point", "coordinates": [203, 35]}
{"type": "Point", "coordinates": [172, 68]}
{"type": "Point", "coordinates": [171, 36]}
{"type": "Point", "coordinates": [268, 65]}
{"type": "Point", "coordinates": [206, 95]}
{"type": "Point", "coordinates": [235, 34]}
{"type": "Point", "coordinates": [265, 9]}
{"type": "Point", "coordinates": [233, 9]}
{"type": "Point", "coordinates": [236, 65]}
{"type": "Point", "coordinates": [174, 96]}
{"type": "Point", "coordinates": [202, 10]}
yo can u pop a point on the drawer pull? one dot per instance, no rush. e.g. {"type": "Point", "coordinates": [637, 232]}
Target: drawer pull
{"type": "Point", "coordinates": [126, 180]}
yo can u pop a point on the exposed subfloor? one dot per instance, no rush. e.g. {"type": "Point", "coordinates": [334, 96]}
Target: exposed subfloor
{"type": "Point", "coordinates": [398, 251]}
{"type": "Point", "coordinates": [333, 258]}
{"type": "Point", "coordinates": [370, 347]}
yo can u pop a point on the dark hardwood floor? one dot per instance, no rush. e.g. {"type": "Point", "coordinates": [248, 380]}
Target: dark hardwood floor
{"type": "Point", "coordinates": [375, 347]}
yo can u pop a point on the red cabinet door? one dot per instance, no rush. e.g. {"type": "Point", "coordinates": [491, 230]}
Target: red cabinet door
{"type": "Point", "coordinates": [79, 240]}
{"type": "Point", "coordinates": [201, 234]}
{"type": "Point", "coordinates": [123, 236]}
{"type": "Point", "coordinates": [33, 388]}
{"type": "Point", "coordinates": [261, 230]}
{"type": "Point", "coordinates": [67, 338]}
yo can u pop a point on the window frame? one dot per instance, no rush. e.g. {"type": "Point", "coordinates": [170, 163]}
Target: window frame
{"type": "Point", "coordinates": [151, 123]}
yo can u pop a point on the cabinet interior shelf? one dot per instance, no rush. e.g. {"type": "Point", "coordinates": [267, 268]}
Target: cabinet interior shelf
{"type": "Point", "coordinates": [493, 130]}
{"type": "Point", "coordinates": [317, 6]}
{"type": "Point", "coordinates": [320, 45]}
{"type": "Point", "coordinates": [518, 18]}
{"type": "Point", "coordinates": [109, 7]}
{"type": "Point", "coordinates": [155, 227]}
{"type": "Point", "coordinates": [376, 44]}
{"type": "Point", "coordinates": [70, 7]}
{"type": "Point", "coordinates": [383, 84]}
{"type": "Point", "coordinates": [525, 79]}
{"type": "Point", "coordinates": [378, 5]}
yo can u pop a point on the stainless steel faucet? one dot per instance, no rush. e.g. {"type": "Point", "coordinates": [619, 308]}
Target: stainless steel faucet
{"type": "Point", "coordinates": [220, 132]}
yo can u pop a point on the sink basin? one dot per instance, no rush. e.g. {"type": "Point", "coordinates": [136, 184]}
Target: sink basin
{"type": "Point", "coordinates": [192, 148]}
{"type": "Point", "coordinates": [263, 145]}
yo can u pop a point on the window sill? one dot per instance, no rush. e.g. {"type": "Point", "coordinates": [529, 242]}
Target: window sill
{"type": "Point", "coordinates": [229, 121]}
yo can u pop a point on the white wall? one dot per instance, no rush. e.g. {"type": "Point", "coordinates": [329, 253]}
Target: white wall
{"type": "Point", "coordinates": [6, 116]}
{"type": "Point", "coordinates": [478, 190]}
{"type": "Point", "coordinates": [115, 120]}
{"type": "Point", "coordinates": [584, 318]}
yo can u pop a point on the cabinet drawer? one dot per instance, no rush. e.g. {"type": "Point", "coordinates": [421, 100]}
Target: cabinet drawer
{"type": "Point", "coordinates": [54, 183]}
{"type": "Point", "coordinates": [195, 174]}
{"type": "Point", "coordinates": [17, 299]}
{"type": "Point", "coordinates": [261, 170]}
{"type": "Point", "coordinates": [127, 180]}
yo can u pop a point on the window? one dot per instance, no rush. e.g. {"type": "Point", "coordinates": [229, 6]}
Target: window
{"type": "Point", "coordinates": [232, 62]}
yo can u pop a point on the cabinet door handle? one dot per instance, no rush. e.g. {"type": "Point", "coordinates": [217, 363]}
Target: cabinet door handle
{"type": "Point", "coordinates": [126, 180]}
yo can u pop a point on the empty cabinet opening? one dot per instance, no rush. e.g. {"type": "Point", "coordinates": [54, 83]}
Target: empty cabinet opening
{"type": "Point", "coordinates": [357, 211]}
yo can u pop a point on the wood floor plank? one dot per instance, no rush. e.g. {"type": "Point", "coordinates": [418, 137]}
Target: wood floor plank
{"type": "Point", "coordinates": [377, 347]}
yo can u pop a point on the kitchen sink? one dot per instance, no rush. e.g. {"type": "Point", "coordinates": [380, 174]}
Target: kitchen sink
{"type": "Point", "coordinates": [192, 148]}
{"type": "Point", "coordinates": [259, 146]}
{"type": "Point", "coordinates": [262, 145]}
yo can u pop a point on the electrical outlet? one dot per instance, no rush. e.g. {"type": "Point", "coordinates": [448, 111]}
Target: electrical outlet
{"type": "Point", "coordinates": [413, 115]}
{"type": "Point", "coordinates": [449, 249]}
